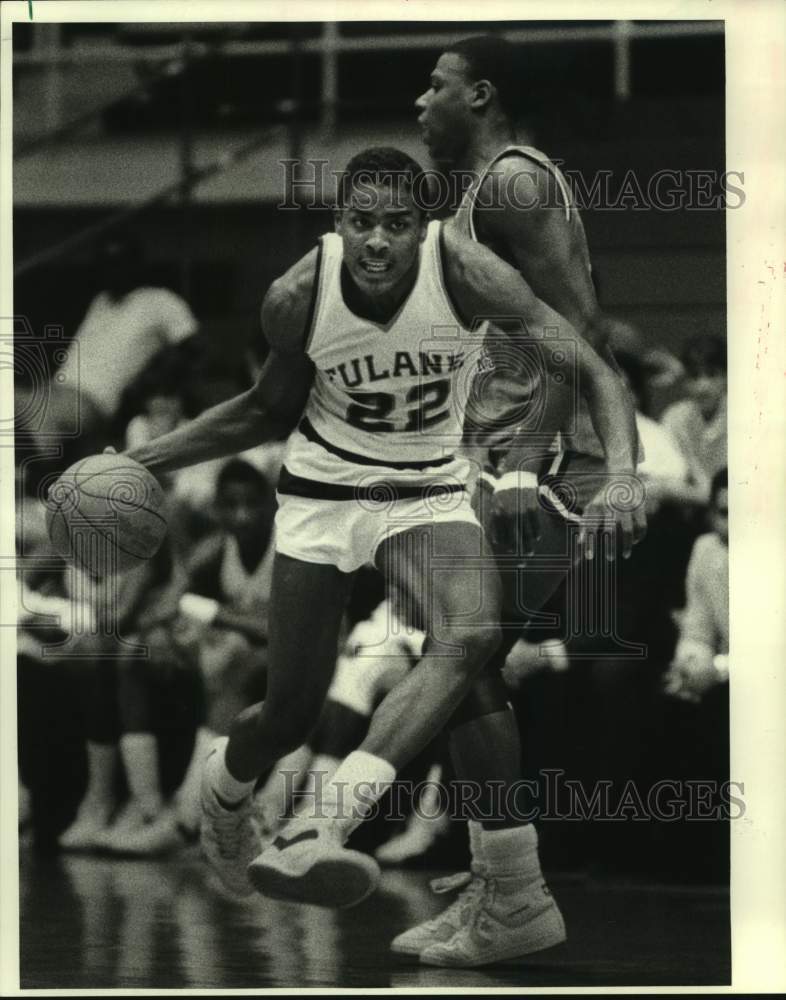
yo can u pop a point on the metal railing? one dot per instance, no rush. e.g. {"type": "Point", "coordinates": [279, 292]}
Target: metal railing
{"type": "Point", "coordinates": [49, 52]}
{"type": "Point", "coordinates": [174, 60]}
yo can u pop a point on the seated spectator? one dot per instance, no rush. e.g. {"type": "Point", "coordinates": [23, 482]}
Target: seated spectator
{"type": "Point", "coordinates": [228, 589]}
{"type": "Point", "coordinates": [126, 325]}
{"type": "Point", "coordinates": [701, 658]}
{"type": "Point", "coordinates": [698, 423]}
{"type": "Point", "coordinates": [108, 669]}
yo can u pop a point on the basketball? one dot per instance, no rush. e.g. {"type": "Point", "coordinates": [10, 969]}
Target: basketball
{"type": "Point", "coordinates": [105, 514]}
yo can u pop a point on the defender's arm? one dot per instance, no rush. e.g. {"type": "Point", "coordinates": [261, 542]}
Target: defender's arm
{"type": "Point", "coordinates": [485, 287]}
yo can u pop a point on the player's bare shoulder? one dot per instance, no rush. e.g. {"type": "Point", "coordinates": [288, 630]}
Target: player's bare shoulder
{"type": "Point", "coordinates": [522, 182]}
{"type": "Point", "coordinates": [523, 199]}
{"type": "Point", "coordinates": [285, 308]}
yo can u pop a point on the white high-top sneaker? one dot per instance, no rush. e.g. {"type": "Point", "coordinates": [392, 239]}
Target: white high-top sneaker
{"type": "Point", "coordinates": [513, 912]}
{"type": "Point", "coordinates": [228, 836]}
{"type": "Point", "coordinates": [308, 863]}
{"type": "Point", "coordinates": [507, 919]}
{"type": "Point", "coordinates": [442, 927]}
{"type": "Point", "coordinates": [445, 924]}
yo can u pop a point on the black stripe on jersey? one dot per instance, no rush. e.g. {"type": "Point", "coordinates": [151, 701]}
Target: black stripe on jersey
{"type": "Point", "coordinates": [444, 279]}
{"type": "Point", "coordinates": [312, 306]}
{"type": "Point", "coordinates": [308, 430]}
{"type": "Point", "coordinates": [380, 492]}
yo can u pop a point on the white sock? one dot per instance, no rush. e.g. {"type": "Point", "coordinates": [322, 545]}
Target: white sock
{"type": "Point", "coordinates": [308, 800]}
{"type": "Point", "coordinates": [359, 781]}
{"type": "Point", "coordinates": [511, 851]}
{"type": "Point", "coordinates": [475, 850]}
{"type": "Point", "coordinates": [429, 807]}
{"type": "Point", "coordinates": [227, 788]}
{"type": "Point", "coordinates": [321, 770]}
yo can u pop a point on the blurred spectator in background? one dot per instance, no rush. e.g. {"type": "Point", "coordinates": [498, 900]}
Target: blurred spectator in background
{"type": "Point", "coordinates": [698, 422]}
{"type": "Point", "coordinates": [701, 658]}
{"type": "Point", "coordinates": [161, 412]}
{"type": "Point", "coordinates": [126, 325]}
{"type": "Point", "coordinates": [223, 613]}
{"type": "Point", "coordinates": [664, 468]}
{"type": "Point", "coordinates": [105, 669]}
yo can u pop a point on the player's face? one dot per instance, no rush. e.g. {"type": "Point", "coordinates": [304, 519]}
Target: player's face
{"type": "Point", "coordinates": [446, 117]}
{"type": "Point", "coordinates": [719, 515]}
{"type": "Point", "coordinates": [381, 230]}
{"type": "Point", "coordinates": [243, 509]}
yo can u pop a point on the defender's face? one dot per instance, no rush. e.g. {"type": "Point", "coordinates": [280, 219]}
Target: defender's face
{"type": "Point", "coordinates": [381, 230]}
{"type": "Point", "coordinates": [445, 108]}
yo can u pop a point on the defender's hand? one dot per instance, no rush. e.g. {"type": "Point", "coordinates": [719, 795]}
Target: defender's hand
{"type": "Point", "coordinates": [515, 520]}
{"type": "Point", "coordinates": [693, 671]}
{"type": "Point", "coordinates": [615, 520]}
{"type": "Point", "coordinates": [508, 510]}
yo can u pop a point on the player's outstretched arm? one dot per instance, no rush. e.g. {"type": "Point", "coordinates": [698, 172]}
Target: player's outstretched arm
{"type": "Point", "coordinates": [272, 407]}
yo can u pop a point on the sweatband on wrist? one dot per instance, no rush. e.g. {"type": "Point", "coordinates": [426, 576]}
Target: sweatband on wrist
{"type": "Point", "coordinates": [515, 480]}
{"type": "Point", "coordinates": [201, 609]}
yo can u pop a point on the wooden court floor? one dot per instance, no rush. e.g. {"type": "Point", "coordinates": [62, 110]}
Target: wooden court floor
{"type": "Point", "coordinates": [98, 923]}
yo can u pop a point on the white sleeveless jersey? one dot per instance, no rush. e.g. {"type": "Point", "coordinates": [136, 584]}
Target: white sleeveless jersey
{"type": "Point", "coordinates": [583, 437]}
{"type": "Point", "coordinates": [386, 397]}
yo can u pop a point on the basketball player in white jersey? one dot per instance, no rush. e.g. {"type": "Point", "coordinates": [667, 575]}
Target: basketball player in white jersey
{"type": "Point", "coordinates": [369, 336]}
{"type": "Point", "coordinates": [518, 204]}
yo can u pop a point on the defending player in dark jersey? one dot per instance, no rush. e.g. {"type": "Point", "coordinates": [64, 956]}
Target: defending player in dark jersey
{"type": "Point", "coordinates": [518, 204]}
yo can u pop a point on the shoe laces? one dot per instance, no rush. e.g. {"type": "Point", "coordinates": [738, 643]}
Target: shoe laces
{"type": "Point", "coordinates": [475, 889]}
{"type": "Point", "coordinates": [231, 828]}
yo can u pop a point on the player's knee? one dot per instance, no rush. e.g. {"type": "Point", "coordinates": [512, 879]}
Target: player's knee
{"type": "Point", "coordinates": [478, 644]}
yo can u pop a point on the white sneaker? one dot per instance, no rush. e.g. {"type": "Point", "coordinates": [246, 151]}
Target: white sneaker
{"type": "Point", "coordinates": [308, 863]}
{"type": "Point", "coordinates": [502, 922]}
{"type": "Point", "coordinates": [85, 832]}
{"type": "Point", "coordinates": [419, 836]}
{"type": "Point", "coordinates": [161, 835]}
{"type": "Point", "coordinates": [128, 820]}
{"type": "Point", "coordinates": [228, 837]}
{"type": "Point", "coordinates": [444, 925]}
